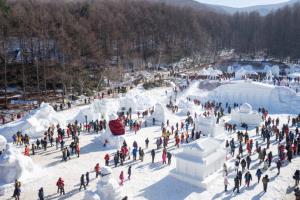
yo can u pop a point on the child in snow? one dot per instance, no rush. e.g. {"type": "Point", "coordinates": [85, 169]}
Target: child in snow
{"type": "Point", "coordinates": [121, 177]}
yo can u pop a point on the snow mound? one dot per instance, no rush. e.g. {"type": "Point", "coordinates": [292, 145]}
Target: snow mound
{"type": "Point", "coordinates": [107, 187]}
{"type": "Point", "coordinates": [91, 196]}
{"type": "Point", "coordinates": [276, 99]}
{"type": "Point", "coordinates": [3, 143]}
{"type": "Point", "coordinates": [14, 165]}
{"type": "Point", "coordinates": [159, 114]}
{"type": "Point", "coordinates": [34, 123]}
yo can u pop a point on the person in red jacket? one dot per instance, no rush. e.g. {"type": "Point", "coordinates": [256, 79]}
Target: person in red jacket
{"type": "Point", "coordinates": [106, 158]}
{"type": "Point", "coordinates": [60, 186]}
{"type": "Point", "coordinates": [97, 169]}
{"type": "Point", "coordinates": [121, 178]}
{"type": "Point", "coordinates": [27, 151]}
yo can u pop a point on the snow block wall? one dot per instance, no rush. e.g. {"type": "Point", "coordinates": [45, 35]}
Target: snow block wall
{"type": "Point", "coordinates": [276, 99]}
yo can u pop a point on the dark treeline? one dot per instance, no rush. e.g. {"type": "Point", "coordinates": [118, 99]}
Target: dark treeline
{"type": "Point", "coordinates": [61, 43]}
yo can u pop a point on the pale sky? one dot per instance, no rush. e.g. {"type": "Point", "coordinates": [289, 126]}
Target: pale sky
{"type": "Point", "coordinates": [241, 3]}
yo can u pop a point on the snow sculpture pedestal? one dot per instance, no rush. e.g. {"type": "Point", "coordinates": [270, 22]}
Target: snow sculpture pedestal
{"type": "Point", "coordinates": [198, 160]}
{"type": "Point", "coordinates": [3, 143]}
{"type": "Point", "coordinates": [245, 114]}
{"type": "Point", "coordinates": [107, 187]}
{"type": "Point", "coordinates": [207, 126]}
{"type": "Point", "coordinates": [159, 114]}
{"type": "Point", "coordinates": [13, 165]}
{"type": "Point", "coordinates": [112, 139]}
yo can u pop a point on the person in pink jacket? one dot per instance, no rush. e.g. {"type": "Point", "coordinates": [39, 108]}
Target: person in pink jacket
{"type": "Point", "coordinates": [121, 177]}
{"type": "Point", "coordinates": [164, 156]}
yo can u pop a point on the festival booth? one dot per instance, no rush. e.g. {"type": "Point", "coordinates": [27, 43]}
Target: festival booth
{"type": "Point", "coordinates": [198, 160]}
{"type": "Point", "coordinates": [245, 114]}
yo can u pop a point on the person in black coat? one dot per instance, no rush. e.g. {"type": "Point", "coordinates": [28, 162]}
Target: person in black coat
{"type": "Point", "coordinates": [41, 193]}
{"type": "Point", "coordinates": [236, 184]}
{"type": "Point", "coordinates": [129, 172]}
{"type": "Point", "coordinates": [82, 183]}
{"type": "Point", "coordinates": [248, 160]}
{"type": "Point", "coordinates": [297, 177]}
{"type": "Point", "coordinates": [240, 176]}
{"type": "Point", "coordinates": [87, 177]}
{"type": "Point", "coordinates": [153, 155]}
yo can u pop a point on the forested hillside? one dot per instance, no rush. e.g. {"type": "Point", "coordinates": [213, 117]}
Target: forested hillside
{"type": "Point", "coordinates": [47, 44]}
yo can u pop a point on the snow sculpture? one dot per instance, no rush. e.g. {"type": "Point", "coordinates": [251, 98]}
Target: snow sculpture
{"type": "Point", "coordinates": [116, 125]}
{"type": "Point", "coordinates": [34, 123]}
{"type": "Point", "coordinates": [107, 187]}
{"type": "Point", "coordinates": [186, 106]}
{"type": "Point", "coordinates": [198, 160]}
{"type": "Point", "coordinates": [14, 165]}
{"type": "Point", "coordinates": [91, 196]}
{"type": "Point", "coordinates": [114, 135]}
{"type": "Point", "coordinates": [128, 102]}
{"type": "Point", "coordinates": [283, 99]}
{"type": "Point", "coordinates": [230, 69]}
{"type": "Point", "coordinates": [207, 125]}
{"type": "Point", "coordinates": [3, 143]}
{"type": "Point", "coordinates": [275, 70]}
{"type": "Point", "coordinates": [244, 72]}
{"type": "Point", "coordinates": [245, 114]}
{"type": "Point", "coordinates": [105, 107]}
{"type": "Point", "coordinates": [159, 114]}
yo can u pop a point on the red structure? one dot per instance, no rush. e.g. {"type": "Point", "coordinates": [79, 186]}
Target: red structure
{"type": "Point", "coordinates": [116, 127]}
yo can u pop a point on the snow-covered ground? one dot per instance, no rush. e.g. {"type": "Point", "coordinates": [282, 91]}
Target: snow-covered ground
{"type": "Point", "coordinates": [153, 180]}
